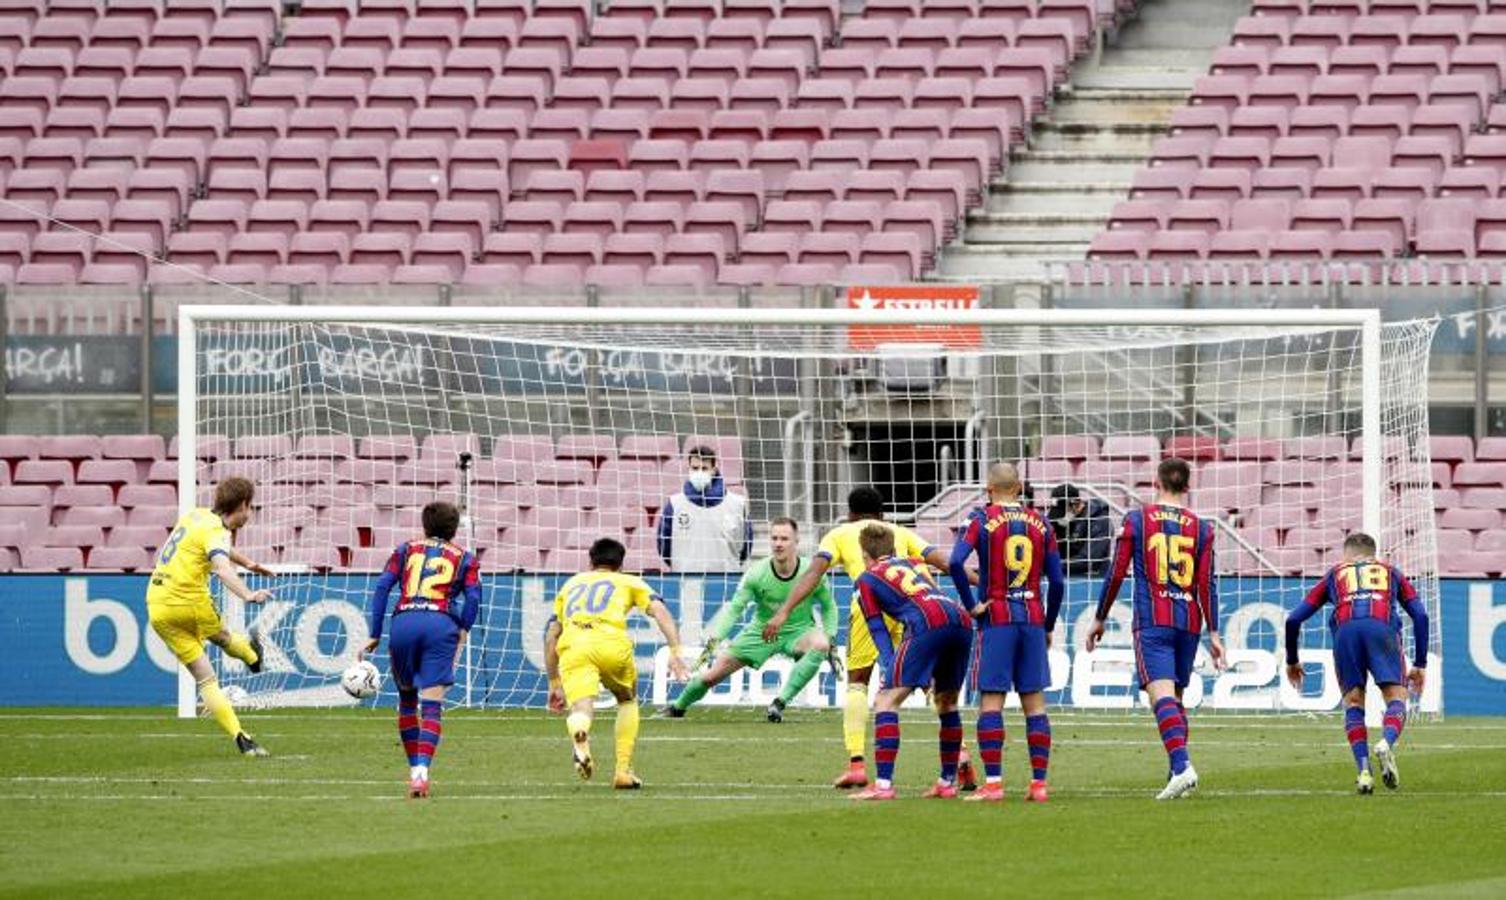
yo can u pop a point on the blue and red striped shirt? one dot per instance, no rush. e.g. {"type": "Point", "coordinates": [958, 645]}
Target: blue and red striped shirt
{"type": "Point", "coordinates": [902, 589]}
{"type": "Point", "coordinates": [1171, 552]}
{"type": "Point", "coordinates": [1016, 547]}
{"type": "Point", "coordinates": [435, 576]}
{"type": "Point", "coordinates": [1362, 589]}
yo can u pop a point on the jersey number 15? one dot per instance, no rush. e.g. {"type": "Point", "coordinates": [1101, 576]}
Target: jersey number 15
{"type": "Point", "coordinates": [1173, 553]}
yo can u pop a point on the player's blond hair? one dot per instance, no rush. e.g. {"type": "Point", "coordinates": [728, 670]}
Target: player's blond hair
{"type": "Point", "coordinates": [877, 541]}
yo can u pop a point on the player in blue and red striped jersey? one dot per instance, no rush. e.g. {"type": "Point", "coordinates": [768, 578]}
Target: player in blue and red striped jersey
{"type": "Point", "coordinates": [934, 652]}
{"type": "Point", "coordinates": [441, 593]}
{"type": "Point", "coordinates": [1015, 548]}
{"type": "Point", "coordinates": [1367, 641]}
{"type": "Point", "coordinates": [1171, 551]}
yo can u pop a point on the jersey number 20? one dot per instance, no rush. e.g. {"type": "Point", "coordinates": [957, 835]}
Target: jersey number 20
{"type": "Point", "coordinates": [594, 597]}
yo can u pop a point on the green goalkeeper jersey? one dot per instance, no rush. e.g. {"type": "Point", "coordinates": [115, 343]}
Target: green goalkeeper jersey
{"type": "Point", "coordinates": [762, 587]}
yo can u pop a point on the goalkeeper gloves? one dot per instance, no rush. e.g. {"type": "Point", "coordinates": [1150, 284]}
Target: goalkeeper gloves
{"type": "Point", "coordinates": [835, 661]}
{"type": "Point", "coordinates": [707, 653]}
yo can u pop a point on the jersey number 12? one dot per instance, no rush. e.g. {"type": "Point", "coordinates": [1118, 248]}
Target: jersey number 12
{"type": "Point", "coordinates": [431, 586]}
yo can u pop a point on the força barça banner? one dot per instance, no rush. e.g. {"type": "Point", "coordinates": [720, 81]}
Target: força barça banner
{"type": "Point", "coordinates": [83, 640]}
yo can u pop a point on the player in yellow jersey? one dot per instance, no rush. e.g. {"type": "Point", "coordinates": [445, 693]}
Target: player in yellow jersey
{"type": "Point", "coordinates": [840, 547]}
{"type": "Point", "coordinates": [586, 647]}
{"type": "Point", "coordinates": [179, 606]}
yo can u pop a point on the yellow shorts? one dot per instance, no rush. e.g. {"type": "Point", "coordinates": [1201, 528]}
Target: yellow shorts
{"type": "Point", "coordinates": [184, 627]}
{"type": "Point", "coordinates": [590, 663]}
{"type": "Point", "coordinates": [862, 653]}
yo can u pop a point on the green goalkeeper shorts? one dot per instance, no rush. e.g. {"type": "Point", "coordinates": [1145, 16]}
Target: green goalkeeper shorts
{"type": "Point", "coordinates": [750, 649]}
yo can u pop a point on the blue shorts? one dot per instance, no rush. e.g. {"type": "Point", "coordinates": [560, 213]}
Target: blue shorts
{"type": "Point", "coordinates": [422, 648]}
{"type": "Point", "coordinates": [938, 658]}
{"type": "Point", "coordinates": [1163, 652]}
{"type": "Point", "coordinates": [1368, 646]}
{"type": "Point", "coordinates": [1011, 658]}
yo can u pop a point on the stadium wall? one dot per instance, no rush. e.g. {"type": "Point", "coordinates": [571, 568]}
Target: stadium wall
{"type": "Point", "coordinates": [83, 640]}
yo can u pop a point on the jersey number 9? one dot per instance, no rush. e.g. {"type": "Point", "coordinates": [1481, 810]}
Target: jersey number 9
{"type": "Point", "coordinates": [1019, 556]}
{"type": "Point", "coordinates": [1173, 553]}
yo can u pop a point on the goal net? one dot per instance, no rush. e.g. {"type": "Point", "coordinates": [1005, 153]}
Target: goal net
{"type": "Point", "coordinates": [553, 427]}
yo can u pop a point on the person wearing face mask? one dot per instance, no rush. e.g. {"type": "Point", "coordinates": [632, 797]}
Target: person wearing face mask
{"type": "Point", "coordinates": [704, 527]}
{"type": "Point", "coordinates": [1083, 530]}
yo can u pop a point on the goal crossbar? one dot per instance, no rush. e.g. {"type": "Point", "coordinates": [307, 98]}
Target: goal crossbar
{"type": "Point", "coordinates": [1366, 322]}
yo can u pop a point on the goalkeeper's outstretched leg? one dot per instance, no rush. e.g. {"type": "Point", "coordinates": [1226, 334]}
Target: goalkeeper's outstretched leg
{"type": "Point", "coordinates": [700, 684]}
{"type": "Point", "coordinates": [749, 650]}
{"type": "Point", "coordinates": [811, 650]}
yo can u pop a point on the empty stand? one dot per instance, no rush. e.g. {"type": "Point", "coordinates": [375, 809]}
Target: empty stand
{"type": "Point", "coordinates": [1376, 132]}
{"type": "Point", "coordinates": [209, 114]}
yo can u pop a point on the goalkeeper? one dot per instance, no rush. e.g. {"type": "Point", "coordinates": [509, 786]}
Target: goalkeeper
{"type": "Point", "coordinates": [766, 585]}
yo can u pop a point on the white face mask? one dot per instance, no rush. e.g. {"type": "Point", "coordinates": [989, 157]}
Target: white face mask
{"type": "Point", "coordinates": [700, 479]}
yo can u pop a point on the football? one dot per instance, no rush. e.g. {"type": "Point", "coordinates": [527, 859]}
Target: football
{"type": "Point", "coordinates": [361, 680]}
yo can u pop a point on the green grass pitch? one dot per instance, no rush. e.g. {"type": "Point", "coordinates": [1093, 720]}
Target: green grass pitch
{"type": "Point", "coordinates": [137, 803]}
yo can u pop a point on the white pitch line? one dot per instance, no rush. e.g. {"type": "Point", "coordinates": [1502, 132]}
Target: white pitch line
{"type": "Point", "coordinates": [649, 795]}
{"type": "Point", "coordinates": [637, 797]}
{"type": "Point", "coordinates": [1203, 718]}
{"type": "Point", "coordinates": [1411, 746]}
{"type": "Point", "coordinates": [168, 779]}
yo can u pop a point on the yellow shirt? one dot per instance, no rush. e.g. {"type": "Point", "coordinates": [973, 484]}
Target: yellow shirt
{"type": "Point", "coordinates": [601, 601]}
{"type": "Point", "coordinates": [182, 572]}
{"type": "Point", "coordinates": [841, 548]}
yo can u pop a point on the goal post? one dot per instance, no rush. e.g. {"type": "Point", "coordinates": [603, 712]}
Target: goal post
{"type": "Point", "coordinates": [578, 421]}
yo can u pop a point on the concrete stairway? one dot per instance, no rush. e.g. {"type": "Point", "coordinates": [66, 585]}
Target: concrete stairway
{"type": "Point", "coordinates": [1056, 192]}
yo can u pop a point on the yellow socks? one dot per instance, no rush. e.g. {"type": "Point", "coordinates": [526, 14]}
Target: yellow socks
{"type": "Point", "coordinates": [240, 648]}
{"type": "Point", "coordinates": [626, 734]}
{"type": "Point", "coordinates": [219, 707]}
{"type": "Point", "coordinates": [577, 722]}
{"type": "Point", "coordinates": [855, 719]}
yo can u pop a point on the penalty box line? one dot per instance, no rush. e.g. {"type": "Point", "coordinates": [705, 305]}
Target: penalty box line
{"type": "Point", "coordinates": [1414, 744]}
{"type": "Point", "coordinates": [1205, 718]}
{"type": "Point", "coordinates": [648, 795]}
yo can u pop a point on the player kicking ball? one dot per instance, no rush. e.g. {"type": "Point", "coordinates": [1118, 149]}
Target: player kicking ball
{"type": "Point", "coordinates": [1367, 642]}
{"type": "Point", "coordinates": [935, 652]}
{"type": "Point", "coordinates": [766, 585]}
{"type": "Point", "coordinates": [441, 592]}
{"type": "Point", "coordinates": [586, 648]}
{"type": "Point", "coordinates": [1016, 547]}
{"type": "Point", "coordinates": [1171, 551]}
{"type": "Point", "coordinates": [181, 610]}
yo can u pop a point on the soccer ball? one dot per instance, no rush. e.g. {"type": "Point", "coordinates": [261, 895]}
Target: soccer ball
{"type": "Point", "coordinates": [361, 680]}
